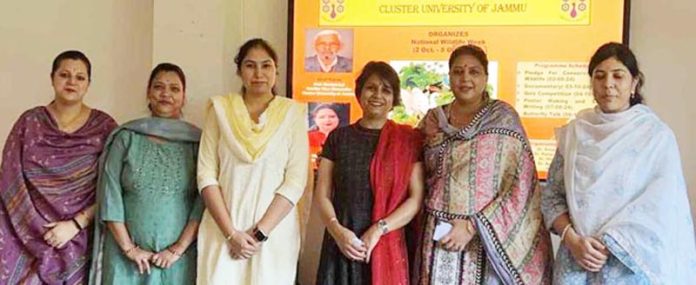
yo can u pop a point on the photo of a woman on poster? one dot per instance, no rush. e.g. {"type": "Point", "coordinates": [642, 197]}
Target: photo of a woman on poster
{"type": "Point", "coordinates": [324, 118]}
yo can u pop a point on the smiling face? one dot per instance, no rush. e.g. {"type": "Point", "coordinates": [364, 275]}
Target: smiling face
{"type": "Point", "coordinates": [376, 98]}
{"type": "Point", "coordinates": [468, 78]}
{"type": "Point", "coordinates": [258, 72]}
{"type": "Point", "coordinates": [612, 85]}
{"type": "Point", "coordinates": [70, 81]}
{"type": "Point", "coordinates": [326, 120]}
{"type": "Point", "coordinates": [166, 95]}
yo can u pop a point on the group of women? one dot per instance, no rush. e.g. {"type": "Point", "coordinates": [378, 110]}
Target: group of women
{"type": "Point", "coordinates": [454, 201]}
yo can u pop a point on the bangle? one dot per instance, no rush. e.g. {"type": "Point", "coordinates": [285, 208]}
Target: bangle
{"type": "Point", "coordinates": [470, 226]}
{"type": "Point", "coordinates": [565, 231]}
{"type": "Point", "coordinates": [77, 224]}
{"type": "Point", "coordinates": [85, 217]}
{"type": "Point", "coordinates": [230, 236]}
{"type": "Point", "coordinates": [128, 251]}
{"type": "Point", "coordinates": [172, 251]}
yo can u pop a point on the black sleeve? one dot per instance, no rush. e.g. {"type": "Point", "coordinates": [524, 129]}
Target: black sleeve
{"type": "Point", "coordinates": [329, 151]}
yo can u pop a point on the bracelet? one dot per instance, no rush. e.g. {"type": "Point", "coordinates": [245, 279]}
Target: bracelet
{"type": "Point", "coordinates": [77, 224]}
{"type": "Point", "coordinates": [85, 217]}
{"type": "Point", "coordinates": [565, 231]}
{"type": "Point", "coordinates": [128, 251]}
{"type": "Point", "coordinates": [230, 236]}
{"type": "Point", "coordinates": [383, 226]}
{"type": "Point", "coordinates": [470, 226]}
{"type": "Point", "coordinates": [174, 252]}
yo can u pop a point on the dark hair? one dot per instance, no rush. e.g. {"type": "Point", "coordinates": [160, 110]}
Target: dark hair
{"type": "Point", "coordinates": [471, 50]}
{"type": "Point", "coordinates": [244, 51]}
{"type": "Point", "coordinates": [322, 106]}
{"type": "Point", "coordinates": [167, 67]}
{"type": "Point", "coordinates": [385, 72]}
{"type": "Point", "coordinates": [74, 55]}
{"type": "Point", "coordinates": [623, 54]}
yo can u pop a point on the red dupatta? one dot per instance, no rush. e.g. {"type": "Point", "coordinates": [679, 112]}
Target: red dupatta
{"type": "Point", "coordinates": [390, 171]}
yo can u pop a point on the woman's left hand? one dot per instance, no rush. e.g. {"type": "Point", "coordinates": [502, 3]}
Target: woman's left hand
{"type": "Point", "coordinates": [166, 258]}
{"type": "Point", "coordinates": [371, 238]}
{"type": "Point", "coordinates": [459, 236]}
{"type": "Point", "coordinates": [60, 233]}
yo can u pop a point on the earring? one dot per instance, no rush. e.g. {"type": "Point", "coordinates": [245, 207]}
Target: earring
{"type": "Point", "coordinates": [633, 95]}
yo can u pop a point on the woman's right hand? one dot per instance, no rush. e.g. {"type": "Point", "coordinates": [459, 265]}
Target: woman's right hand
{"type": "Point", "coordinates": [166, 258]}
{"type": "Point", "coordinates": [459, 237]}
{"type": "Point", "coordinates": [141, 257]}
{"type": "Point", "coordinates": [242, 245]}
{"type": "Point", "coordinates": [60, 233]}
{"type": "Point", "coordinates": [349, 244]}
{"type": "Point", "coordinates": [589, 253]}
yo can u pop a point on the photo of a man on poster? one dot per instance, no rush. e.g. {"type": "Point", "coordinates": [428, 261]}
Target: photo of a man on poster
{"type": "Point", "coordinates": [330, 51]}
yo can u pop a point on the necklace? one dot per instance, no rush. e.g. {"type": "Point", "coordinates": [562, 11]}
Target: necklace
{"type": "Point", "coordinates": [454, 120]}
{"type": "Point", "coordinates": [67, 125]}
{"type": "Point", "coordinates": [466, 117]}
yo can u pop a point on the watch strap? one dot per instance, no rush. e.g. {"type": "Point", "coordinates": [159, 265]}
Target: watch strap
{"type": "Point", "coordinates": [259, 235]}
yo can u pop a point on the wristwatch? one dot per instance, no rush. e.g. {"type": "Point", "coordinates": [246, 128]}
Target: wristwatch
{"type": "Point", "coordinates": [382, 224]}
{"type": "Point", "coordinates": [259, 235]}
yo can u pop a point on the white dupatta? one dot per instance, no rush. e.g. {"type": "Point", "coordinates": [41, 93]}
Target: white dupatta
{"type": "Point", "coordinates": [623, 179]}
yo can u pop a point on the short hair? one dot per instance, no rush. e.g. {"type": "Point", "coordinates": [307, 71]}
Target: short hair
{"type": "Point", "coordinates": [471, 50]}
{"type": "Point", "coordinates": [74, 55]}
{"type": "Point", "coordinates": [623, 54]}
{"type": "Point", "coordinates": [386, 73]}
{"type": "Point", "coordinates": [327, 33]}
{"type": "Point", "coordinates": [244, 51]}
{"type": "Point", "coordinates": [167, 67]}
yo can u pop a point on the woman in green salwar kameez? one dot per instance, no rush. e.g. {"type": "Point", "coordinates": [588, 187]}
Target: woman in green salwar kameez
{"type": "Point", "coordinates": [149, 209]}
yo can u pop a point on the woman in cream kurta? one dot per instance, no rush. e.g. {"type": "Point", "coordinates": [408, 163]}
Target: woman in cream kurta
{"type": "Point", "coordinates": [250, 174]}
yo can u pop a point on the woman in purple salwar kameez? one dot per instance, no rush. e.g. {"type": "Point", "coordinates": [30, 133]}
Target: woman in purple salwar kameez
{"type": "Point", "coordinates": [47, 182]}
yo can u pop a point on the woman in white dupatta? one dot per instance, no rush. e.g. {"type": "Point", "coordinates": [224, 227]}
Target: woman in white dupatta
{"type": "Point", "coordinates": [616, 193]}
{"type": "Point", "coordinates": [252, 170]}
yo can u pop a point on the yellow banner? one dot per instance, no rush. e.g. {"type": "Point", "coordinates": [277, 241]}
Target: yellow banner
{"type": "Point", "coordinates": [454, 12]}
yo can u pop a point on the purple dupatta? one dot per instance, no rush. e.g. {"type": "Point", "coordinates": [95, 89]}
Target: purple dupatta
{"type": "Point", "coordinates": [46, 176]}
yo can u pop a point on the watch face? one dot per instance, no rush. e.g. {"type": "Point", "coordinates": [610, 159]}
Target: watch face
{"type": "Point", "coordinates": [259, 236]}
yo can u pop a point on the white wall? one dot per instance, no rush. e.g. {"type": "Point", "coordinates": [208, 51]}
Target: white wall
{"type": "Point", "coordinates": [663, 39]}
{"type": "Point", "coordinates": [191, 34]}
{"type": "Point", "coordinates": [124, 40]}
{"type": "Point", "coordinates": [115, 35]}
{"type": "Point", "coordinates": [204, 36]}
